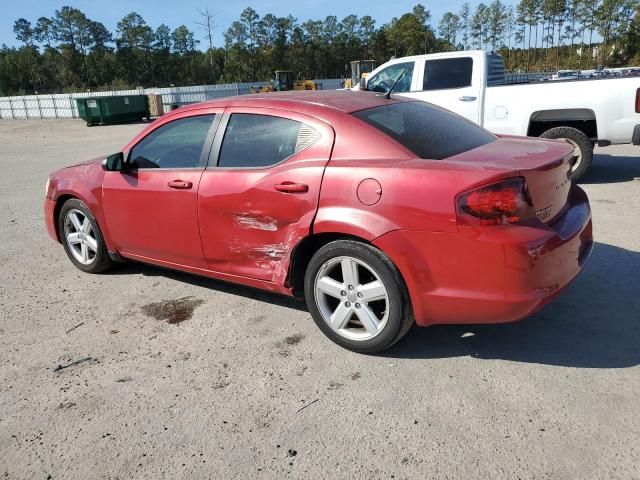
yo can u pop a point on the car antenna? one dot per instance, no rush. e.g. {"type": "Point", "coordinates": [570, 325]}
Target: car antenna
{"type": "Point", "coordinates": [387, 94]}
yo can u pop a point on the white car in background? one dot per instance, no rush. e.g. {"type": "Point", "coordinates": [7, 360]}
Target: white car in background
{"type": "Point", "coordinates": [472, 84]}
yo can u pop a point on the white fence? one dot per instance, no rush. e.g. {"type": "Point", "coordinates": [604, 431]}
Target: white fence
{"type": "Point", "coordinates": [63, 105]}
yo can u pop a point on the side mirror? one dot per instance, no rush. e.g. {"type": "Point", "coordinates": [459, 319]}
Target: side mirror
{"type": "Point", "coordinates": [113, 163]}
{"type": "Point", "coordinates": [363, 84]}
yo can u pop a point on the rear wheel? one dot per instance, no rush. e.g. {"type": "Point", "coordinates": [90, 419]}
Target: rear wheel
{"type": "Point", "coordinates": [82, 238]}
{"type": "Point", "coordinates": [582, 145]}
{"type": "Point", "coordinates": [357, 297]}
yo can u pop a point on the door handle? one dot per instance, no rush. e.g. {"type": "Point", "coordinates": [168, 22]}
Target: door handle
{"type": "Point", "coordinates": [291, 187]}
{"type": "Point", "coordinates": [467, 98]}
{"type": "Point", "coordinates": [180, 184]}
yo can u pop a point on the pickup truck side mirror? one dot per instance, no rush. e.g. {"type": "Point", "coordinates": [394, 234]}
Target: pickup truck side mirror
{"type": "Point", "coordinates": [113, 163]}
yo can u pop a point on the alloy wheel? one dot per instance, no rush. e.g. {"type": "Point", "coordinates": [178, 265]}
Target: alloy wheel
{"type": "Point", "coordinates": [351, 298]}
{"type": "Point", "coordinates": [80, 237]}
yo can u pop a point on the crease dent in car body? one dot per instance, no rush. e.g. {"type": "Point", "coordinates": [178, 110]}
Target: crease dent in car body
{"type": "Point", "coordinates": [378, 211]}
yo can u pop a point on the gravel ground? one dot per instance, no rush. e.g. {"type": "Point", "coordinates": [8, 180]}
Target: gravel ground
{"type": "Point", "coordinates": [249, 388]}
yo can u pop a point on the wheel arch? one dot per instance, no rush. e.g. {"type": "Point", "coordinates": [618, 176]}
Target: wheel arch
{"type": "Point", "coordinates": [304, 251]}
{"type": "Point", "coordinates": [333, 223]}
{"type": "Point", "coordinates": [60, 201]}
{"type": "Point", "coordinates": [95, 209]}
{"type": "Point", "coordinates": [583, 119]}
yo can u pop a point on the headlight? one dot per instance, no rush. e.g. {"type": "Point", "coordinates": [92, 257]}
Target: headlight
{"type": "Point", "coordinates": [46, 187]}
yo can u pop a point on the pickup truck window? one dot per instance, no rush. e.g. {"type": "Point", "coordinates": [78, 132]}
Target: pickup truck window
{"type": "Point", "coordinates": [447, 73]}
{"type": "Point", "coordinates": [384, 79]}
{"type": "Point", "coordinates": [428, 131]}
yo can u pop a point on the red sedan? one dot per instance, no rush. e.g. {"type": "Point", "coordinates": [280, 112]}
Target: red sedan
{"type": "Point", "coordinates": [379, 212]}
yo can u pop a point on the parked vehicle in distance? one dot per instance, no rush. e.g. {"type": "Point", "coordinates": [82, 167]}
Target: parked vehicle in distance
{"type": "Point", "coordinates": [566, 75]}
{"type": "Point", "coordinates": [376, 211]}
{"type": "Point", "coordinates": [472, 84]}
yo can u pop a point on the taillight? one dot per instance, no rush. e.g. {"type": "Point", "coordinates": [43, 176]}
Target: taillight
{"type": "Point", "coordinates": [638, 100]}
{"type": "Point", "coordinates": [500, 203]}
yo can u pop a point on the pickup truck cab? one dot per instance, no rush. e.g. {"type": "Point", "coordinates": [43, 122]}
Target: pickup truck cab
{"type": "Point", "coordinates": [473, 84]}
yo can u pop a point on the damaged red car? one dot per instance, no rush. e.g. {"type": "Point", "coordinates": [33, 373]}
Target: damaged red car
{"type": "Point", "coordinates": [379, 212]}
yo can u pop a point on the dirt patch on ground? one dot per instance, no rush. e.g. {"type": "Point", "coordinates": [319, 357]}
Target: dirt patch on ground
{"type": "Point", "coordinates": [293, 339]}
{"type": "Point", "coordinates": [173, 311]}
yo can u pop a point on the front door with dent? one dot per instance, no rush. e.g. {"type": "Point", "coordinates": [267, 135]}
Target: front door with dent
{"type": "Point", "coordinates": [151, 208]}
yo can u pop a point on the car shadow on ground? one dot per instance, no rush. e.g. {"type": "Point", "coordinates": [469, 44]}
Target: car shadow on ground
{"type": "Point", "coordinates": [612, 169]}
{"type": "Point", "coordinates": [594, 324]}
{"type": "Point", "coordinates": [132, 268]}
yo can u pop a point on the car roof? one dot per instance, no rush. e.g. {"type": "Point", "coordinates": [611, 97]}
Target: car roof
{"type": "Point", "coordinates": [314, 102]}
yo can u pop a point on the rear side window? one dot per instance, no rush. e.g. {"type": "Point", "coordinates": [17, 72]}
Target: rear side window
{"type": "Point", "coordinates": [428, 131]}
{"type": "Point", "coordinates": [177, 144]}
{"type": "Point", "coordinates": [252, 141]}
{"type": "Point", "coordinates": [447, 73]}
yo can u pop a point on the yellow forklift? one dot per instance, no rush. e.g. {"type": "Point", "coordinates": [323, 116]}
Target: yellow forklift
{"type": "Point", "coordinates": [359, 69]}
{"type": "Point", "coordinates": [284, 82]}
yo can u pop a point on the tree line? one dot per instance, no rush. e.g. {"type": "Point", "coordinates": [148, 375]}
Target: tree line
{"type": "Point", "coordinates": [69, 51]}
{"type": "Point", "coordinates": [545, 35]}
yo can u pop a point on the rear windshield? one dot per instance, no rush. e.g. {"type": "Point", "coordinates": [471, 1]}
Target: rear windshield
{"type": "Point", "coordinates": [428, 131]}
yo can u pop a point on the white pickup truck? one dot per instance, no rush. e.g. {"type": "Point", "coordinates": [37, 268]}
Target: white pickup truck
{"type": "Point", "coordinates": [472, 84]}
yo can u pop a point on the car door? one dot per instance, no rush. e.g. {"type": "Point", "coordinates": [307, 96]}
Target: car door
{"type": "Point", "coordinates": [151, 206]}
{"type": "Point", "coordinates": [259, 194]}
{"type": "Point", "coordinates": [452, 83]}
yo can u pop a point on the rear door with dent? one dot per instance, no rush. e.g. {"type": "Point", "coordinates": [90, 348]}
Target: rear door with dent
{"type": "Point", "coordinates": [259, 193]}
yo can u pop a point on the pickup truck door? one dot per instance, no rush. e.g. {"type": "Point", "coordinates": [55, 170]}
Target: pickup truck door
{"type": "Point", "coordinates": [454, 83]}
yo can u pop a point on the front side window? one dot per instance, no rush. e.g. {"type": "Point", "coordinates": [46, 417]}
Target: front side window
{"type": "Point", "coordinates": [428, 131]}
{"type": "Point", "coordinates": [177, 144]}
{"type": "Point", "coordinates": [253, 141]}
{"type": "Point", "coordinates": [447, 73]}
{"type": "Point", "coordinates": [384, 79]}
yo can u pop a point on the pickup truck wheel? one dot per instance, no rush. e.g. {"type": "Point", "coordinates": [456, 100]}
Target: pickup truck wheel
{"type": "Point", "coordinates": [580, 142]}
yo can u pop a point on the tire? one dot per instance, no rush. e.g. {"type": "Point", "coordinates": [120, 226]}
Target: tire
{"type": "Point", "coordinates": [328, 295]}
{"type": "Point", "coordinates": [580, 141]}
{"type": "Point", "coordinates": [80, 233]}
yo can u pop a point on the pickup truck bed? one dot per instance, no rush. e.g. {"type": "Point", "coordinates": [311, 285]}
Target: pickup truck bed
{"type": "Point", "coordinates": [531, 108]}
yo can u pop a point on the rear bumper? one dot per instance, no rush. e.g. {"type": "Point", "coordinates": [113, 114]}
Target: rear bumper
{"type": "Point", "coordinates": [49, 220]}
{"type": "Point", "coordinates": [635, 139]}
{"type": "Point", "coordinates": [491, 274]}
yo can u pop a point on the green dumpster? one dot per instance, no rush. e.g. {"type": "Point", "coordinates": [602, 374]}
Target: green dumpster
{"type": "Point", "coordinates": [113, 109]}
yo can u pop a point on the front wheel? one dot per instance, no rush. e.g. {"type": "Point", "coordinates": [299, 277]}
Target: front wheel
{"type": "Point", "coordinates": [357, 297]}
{"type": "Point", "coordinates": [582, 145]}
{"type": "Point", "coordinates": [82, 238]}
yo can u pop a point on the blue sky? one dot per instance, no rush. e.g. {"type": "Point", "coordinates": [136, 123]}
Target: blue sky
{"type": "Point", "coordinates": [175, 13]}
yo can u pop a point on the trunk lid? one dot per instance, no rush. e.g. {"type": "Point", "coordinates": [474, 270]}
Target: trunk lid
{"type": "Point", "coordinates": [544, 164]}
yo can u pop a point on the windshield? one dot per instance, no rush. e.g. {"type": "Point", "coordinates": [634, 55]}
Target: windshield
{"type": "Point", "coordinates": [430, 132]}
